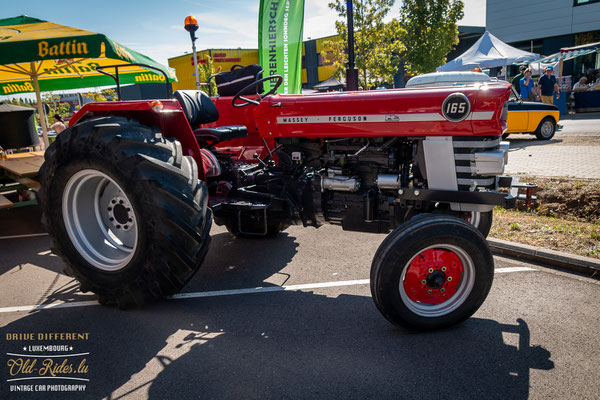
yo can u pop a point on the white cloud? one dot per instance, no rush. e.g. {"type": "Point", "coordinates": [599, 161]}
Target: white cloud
{"type": "Point", "coordinates": [474, 13]}
{"type": "Point", "coordinates": [319, 19]}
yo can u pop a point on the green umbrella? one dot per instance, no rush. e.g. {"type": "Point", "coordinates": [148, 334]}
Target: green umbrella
{"type": "Point", "coordinates": [37, 55]}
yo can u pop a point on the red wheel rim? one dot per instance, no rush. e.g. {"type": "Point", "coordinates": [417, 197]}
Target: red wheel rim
{"type": "Point", "coordinates": [433, 276]}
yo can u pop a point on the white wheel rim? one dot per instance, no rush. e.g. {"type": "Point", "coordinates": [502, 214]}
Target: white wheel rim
{"type": "Point", "coordinates": [100, 220]}
{"type": "Point", "coordinates": [547, 129]}
{"type": "Point", "coordinates": [467, 281]}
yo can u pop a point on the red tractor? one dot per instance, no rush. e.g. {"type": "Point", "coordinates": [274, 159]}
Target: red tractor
{"type": "Point", "coordinates": [130, 189]}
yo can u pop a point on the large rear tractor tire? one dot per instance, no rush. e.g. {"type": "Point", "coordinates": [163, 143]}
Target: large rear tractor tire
{"type": "Point", "coordinates": [432, 272]}
{"type": "Point", "coordinates": [125, 210]}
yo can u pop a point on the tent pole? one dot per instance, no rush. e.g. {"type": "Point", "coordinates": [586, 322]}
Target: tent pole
{"type": "Point", "coordinates": [560, 66]}
{"type": "Point", "coordinates": [40, 106]}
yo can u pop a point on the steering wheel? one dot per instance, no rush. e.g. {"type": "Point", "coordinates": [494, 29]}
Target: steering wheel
{"type": "Point", "coordinates": [256, 101]}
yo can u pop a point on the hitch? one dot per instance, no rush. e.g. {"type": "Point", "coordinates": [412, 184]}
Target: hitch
{"type": "Point", "coordinates": [515, 185]}
{"type": "Point", "coordinates": [506, 200]}
{"type": "Point", "coordinates": [242, 206]}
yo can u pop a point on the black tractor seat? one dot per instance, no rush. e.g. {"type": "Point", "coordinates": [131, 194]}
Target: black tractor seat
{"type": "Point", "coordinates": [199, 109]}
{"type": "Point", "coordinates": [212, 136]}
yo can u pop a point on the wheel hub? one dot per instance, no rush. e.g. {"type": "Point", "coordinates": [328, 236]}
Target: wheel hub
{"type": "Point", "coordinates": [546, 128]}
{"type": "Point", "coordinates": [436, 279]}
{"type": "Point", "coordinates": [120, 214]}
{"type": "Point", "coordinates": [99, 220]}
{"type": "Point", "coordinates": [433, 276]}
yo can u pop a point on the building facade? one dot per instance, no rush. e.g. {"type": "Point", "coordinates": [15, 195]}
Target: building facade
{"type": "Point", "coordinates": [546, 26]}
{"type": "Point", "coordinates": [223, 60]}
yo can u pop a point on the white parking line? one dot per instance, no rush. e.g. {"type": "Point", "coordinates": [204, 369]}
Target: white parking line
{"type": "Point", "coordinates": [48, 306]}
{"type": "Point", "coordinates": [513, 269]}
{"type": "Point", "coordinates": [268, 289]}
{"type": "Point", "coordinates": [23, 236]}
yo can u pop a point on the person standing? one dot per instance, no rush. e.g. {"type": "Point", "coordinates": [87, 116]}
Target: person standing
{"type": "Point", "coordinates": [59, 124]}
{"type": "Point", "coordinates": [548, 86]}
{"type": "Point", "coordinates": [527, 87]}
{"type": "Point", "coordinates": [516, 82]}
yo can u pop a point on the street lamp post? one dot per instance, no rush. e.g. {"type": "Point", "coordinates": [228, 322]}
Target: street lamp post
{"type": "Point", "coordinates": [351, 72]}
{"type": "Point", "coordinates": [191, 25]}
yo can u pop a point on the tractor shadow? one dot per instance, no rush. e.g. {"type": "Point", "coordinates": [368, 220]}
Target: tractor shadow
{"type": "Point", "coordinates": [14, 253]}
{"type": "Point", "coordinates": [234, 262]}
{"type": "Point", "coordinates": [231, 263]}
{"type": "Point", "coordinates": [21, 221]}
{"type": "Point", "coordinates": [288, 344]}
{"type": "Point", "coordinates": [296, 344]}
{"type": "Point", "coordinates": [21, 257]}
{"type": "Point", "coordinates": [285, 345]}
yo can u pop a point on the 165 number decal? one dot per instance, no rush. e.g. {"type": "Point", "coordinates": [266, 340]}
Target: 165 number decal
{"type": "Point", "coordinates": [456, 107]}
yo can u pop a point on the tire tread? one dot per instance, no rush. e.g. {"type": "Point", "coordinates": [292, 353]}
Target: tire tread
{"type": "Point", "coordinates": [173, 205]}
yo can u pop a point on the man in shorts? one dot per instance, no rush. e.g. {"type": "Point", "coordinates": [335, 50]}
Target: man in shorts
{"type": "Point", "coordinates": [548, 86]}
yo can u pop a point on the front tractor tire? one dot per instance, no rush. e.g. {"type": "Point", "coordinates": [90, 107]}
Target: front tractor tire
{"type": "Point", "coordinates": [125, 210]}
{"type": "Point", "coordinates": [431, 273]}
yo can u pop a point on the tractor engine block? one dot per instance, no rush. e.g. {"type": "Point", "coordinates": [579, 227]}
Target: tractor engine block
{"type": "Point", "coordinates": [362, 184]}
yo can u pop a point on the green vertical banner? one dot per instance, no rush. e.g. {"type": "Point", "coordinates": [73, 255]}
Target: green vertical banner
{"type": "Point", "coordinates": [280, 25]}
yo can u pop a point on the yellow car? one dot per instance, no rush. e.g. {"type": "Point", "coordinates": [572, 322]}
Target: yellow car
{"type": "Point", "coordinates": [538, 119]}
{"type": "Point", "coordinates": [523, 116]}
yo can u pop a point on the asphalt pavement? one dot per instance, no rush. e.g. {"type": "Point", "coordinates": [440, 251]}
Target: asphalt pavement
{"type": "Point", "coordinates": [292, 317]}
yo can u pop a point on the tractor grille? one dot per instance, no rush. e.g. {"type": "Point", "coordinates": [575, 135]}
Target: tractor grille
{"type": "Point", "coordinates": [464, 160]}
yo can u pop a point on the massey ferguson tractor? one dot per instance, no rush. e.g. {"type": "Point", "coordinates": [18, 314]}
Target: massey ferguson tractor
{"type": "Point", "coordinates": [130, 189]}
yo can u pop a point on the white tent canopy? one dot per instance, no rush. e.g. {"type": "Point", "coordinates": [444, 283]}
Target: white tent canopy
{"type": "Point", "coordinates": [487, 52]}
{"type": "Point", "coordinates": [565, 54]}
{"type": "Point", "coordinates": [538, 68]}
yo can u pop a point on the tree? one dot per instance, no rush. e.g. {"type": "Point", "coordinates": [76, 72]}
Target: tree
{"type": "Point", "coordinates": [429, 32]}
{"type": "Point", "coordinates": [55, 105]}
{"type": "Point", "coordinates": [376, 43]}
{"type": "Point", "coordinates": [205, 70]}
{"type": "Point", "coordinates": [103, 95]}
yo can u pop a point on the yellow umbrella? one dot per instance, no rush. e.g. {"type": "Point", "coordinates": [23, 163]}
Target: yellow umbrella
{"type": "Point", "coordinates": [37, 55]}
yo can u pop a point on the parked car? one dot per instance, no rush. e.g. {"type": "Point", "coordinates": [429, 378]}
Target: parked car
{"type": "Point", "coordinates": [523, 116]}
{"type": "Point", "coordinates": [538, 119]}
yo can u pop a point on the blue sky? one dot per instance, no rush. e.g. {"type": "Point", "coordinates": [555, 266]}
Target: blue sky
{"type": "Point", "coordinates": [155, 28]}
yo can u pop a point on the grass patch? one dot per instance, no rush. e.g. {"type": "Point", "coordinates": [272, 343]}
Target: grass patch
{"type": "Point", "coordinates": [569, 234]}
{"type": "Point", "coordinates": [566, 217]}
{"type": "Point", "coordinates": [567, 197]}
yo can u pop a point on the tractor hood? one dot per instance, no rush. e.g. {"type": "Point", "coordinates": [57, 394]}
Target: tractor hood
{"type": "Point", "coordinates": [432, 111]}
